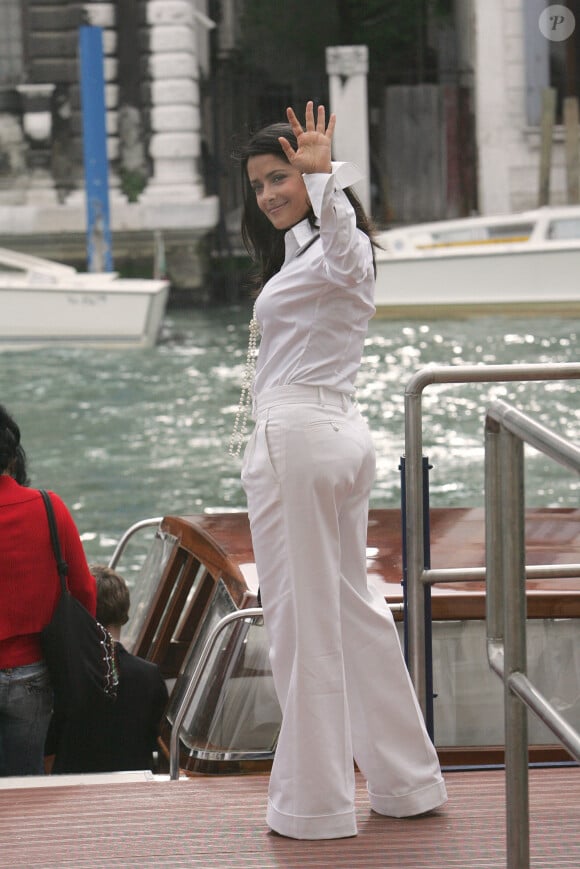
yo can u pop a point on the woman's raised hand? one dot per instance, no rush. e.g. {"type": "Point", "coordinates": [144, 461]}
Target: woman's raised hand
{"type": "Point", "coordinates": [314, 143]}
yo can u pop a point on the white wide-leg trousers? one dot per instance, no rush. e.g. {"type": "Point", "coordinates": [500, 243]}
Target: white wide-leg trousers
{"type": "Point", "coordinates": [339, 673]}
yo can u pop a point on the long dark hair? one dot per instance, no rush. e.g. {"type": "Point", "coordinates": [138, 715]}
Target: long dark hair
{"type": "Point", "coordinates": [12, 455]}
{"type": "Point", "coordinates": [262, 240]}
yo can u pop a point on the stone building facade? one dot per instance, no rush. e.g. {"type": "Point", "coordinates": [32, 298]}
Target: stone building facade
{"type": "Point", "coordinates": [179, 91]}
{"type": "Point", "coordinates": [513, 63]}
{"type": "Point", "coordinates": [154, 52]}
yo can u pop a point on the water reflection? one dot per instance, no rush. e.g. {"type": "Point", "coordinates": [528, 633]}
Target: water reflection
{"type": "Point", "coordinates": [126, 435]}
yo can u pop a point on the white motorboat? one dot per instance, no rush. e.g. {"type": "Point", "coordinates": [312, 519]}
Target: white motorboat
{"type": "Point", "coordinates": [526, 263]}
{"type": "Point", "coordinates": [47, 303]}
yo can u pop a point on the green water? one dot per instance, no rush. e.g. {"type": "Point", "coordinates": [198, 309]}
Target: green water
{"type": "Point", "coordinates": [125, 435]}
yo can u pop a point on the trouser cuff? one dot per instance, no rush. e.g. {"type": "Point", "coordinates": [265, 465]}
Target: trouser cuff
{"type": "Point", "coordinates": [414, 803]}
{"type": "Point", "coordinates": [311, 826]}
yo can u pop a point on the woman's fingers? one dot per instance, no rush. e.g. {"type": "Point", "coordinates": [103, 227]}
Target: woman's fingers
{"type": "Point", "coordinates": [321, 120]}
{"type": "Point", "coordinates": [294, 122]}
{"type": "Point", "coordinates": [287, 148]}
{"type": "Point", "coordinates": [331, 126]}
{"type": "Point", "coordinates": [313, 142]}
{"type": "Point", "coordinates": [310, 125]}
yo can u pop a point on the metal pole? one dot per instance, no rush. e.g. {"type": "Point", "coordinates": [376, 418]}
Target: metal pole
{"type": "Point", "coordinates": [493, 534]}
{"type": "Point", "coordinates": [428, 632]}
{"type": "Point", "coordinates": [537, 435]}
{"type": "Point", "coordinates": [494, 626]}
{"type": "Point", "coordinates": [428, 618]}
{"type": "Point", "coordinates": [404, 561]}
{"type": "Point", "coordinates": [535, 700]}
{"type": "Point", "coordinates": [96, 162]}
{"type": "Point", "coordinates": [516, 715]}
{"type": "Point", "coordinates": [415, 545]}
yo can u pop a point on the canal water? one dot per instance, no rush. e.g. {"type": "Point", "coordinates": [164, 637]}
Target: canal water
{"type": "Point", "coordinates": [126, 435]}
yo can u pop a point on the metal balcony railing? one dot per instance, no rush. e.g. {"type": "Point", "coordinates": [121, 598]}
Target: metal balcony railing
{"type": "Point", "coordinates": [418, 578]}
{"type": "Point", "coordinates": [506, 431]}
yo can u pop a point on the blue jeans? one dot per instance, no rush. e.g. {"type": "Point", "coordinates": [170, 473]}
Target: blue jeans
{"type": "Point", "coordinates": [25, 710]}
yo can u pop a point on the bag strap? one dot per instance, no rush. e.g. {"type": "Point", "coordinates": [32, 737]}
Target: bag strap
{"type": "Point", "coordinates": [60, 562]}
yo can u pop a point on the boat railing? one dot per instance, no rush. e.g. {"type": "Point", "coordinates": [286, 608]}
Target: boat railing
{"type": "Point", "coordinates": [418, 578]}
{"type": "Point", "coordinates": [506, 431]}
{"type": "Point", "coordinates": [129, 533]}
{"type": "Point", "coordinates": [251, 614]}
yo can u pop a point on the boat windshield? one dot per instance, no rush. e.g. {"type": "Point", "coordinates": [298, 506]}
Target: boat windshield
{"type": "Point", "coordinates": [234, 709]}
{"type": "Point", "coordinates": [145, 585]}
{"type": "Point", "coordinates": [564, 228]}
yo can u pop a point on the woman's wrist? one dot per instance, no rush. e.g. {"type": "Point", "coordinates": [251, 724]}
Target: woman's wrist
{"type": "Point", "coordinates": [319, 171]}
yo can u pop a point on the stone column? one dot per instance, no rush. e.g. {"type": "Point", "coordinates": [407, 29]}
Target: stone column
{"type": "Point", "coordinates": [175, 145]}
{"type": "Point", "coordinates": [492, 110]}
{"type": "Point", "coordinates": [37, 127]}
{"type": "Point", "coordinates": [347, 67]}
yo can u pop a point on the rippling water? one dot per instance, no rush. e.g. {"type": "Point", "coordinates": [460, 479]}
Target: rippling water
{"type": "Point", "coordinates": [125, 435]}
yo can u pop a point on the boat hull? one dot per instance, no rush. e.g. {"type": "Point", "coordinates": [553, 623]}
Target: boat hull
{"type": "Point", "coordinates": [112, 313]}
{"type": "Point", "coordinates": [418, 274]}
{"type": "Point", "coordinates": [509, 281]}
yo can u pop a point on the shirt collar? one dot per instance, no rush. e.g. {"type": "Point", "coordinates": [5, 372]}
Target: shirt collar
{"type": "Point", "coordinates": [298, 237]}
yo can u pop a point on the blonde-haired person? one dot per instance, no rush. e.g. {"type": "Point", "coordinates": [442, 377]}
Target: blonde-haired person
{"type": "Point", "coordinates": [307, 471]}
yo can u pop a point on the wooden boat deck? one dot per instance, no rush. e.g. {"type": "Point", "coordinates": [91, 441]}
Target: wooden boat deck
{"type": "Point", "coordinates": [212, 822]}
{"type": "Point", "coordinates": [457, 541]}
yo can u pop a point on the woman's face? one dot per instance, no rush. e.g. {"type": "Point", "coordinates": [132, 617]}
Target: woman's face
{"type": "Point", "coordinates": [280, 190]}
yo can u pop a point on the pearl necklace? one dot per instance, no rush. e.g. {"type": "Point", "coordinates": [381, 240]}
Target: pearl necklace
{"type": "Point", "coordinates": [241, 420]}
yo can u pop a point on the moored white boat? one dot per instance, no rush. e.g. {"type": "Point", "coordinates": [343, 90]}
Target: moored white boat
{"type": "Point", "coordinates": [526, 263]}
{"type": "Point", "coordinates": [48, 303]}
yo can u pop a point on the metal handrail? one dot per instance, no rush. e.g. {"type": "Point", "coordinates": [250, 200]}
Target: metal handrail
{"type": "Point", "coordinates": [249, 613]}
{"type": "Point", "coordinates": [121, 545]}
{"type": "Point", "coordinates": [477, 574]}
{"type": "Point", "coordinates": [506, 431]}
{"type": "Point", "coordinates": [417, 577]}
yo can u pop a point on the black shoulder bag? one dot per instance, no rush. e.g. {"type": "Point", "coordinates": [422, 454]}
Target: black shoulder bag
{"type": "Point", "coordinates": [78, 650]}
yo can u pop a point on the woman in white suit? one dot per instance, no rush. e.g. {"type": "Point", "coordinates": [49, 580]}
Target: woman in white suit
{"type": "Point", "coordinates": [307, 471]}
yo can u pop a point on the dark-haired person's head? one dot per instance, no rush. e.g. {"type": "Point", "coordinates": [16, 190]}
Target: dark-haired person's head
{"type": "Point", "coordinates": [12, 455]}
{"type": "Point", "coordinates": [263, 241]}
{"type": "Point", "coordinates": [113, 598]}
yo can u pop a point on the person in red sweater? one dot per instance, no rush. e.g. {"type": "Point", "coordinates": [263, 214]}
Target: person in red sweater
{"type": "Point", "coordinates": [29, 591]}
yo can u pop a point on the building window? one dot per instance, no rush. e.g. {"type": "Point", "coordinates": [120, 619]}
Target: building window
{"type": "Point", "coordinates": [11, 54]}
{"type": "Point", "coordinates": [565, 68]}
{"type": "Point", "coordinates": [550, 63]}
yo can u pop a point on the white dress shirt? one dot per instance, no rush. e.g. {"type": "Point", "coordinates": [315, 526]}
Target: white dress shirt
{"type": "Point", "coordinates": [313, 314]}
